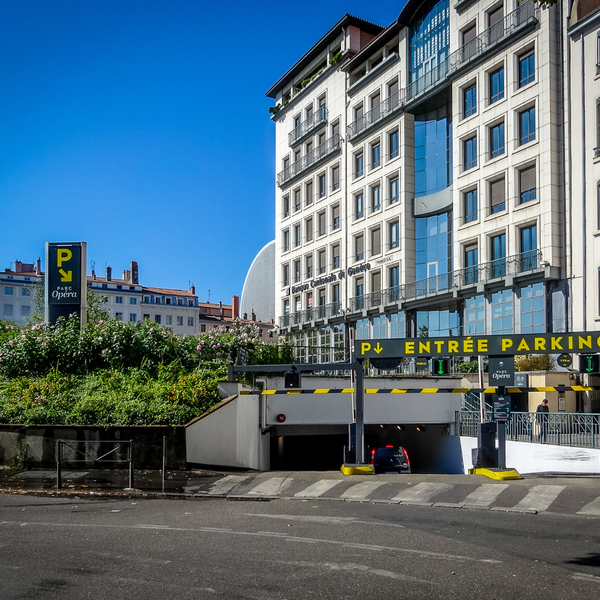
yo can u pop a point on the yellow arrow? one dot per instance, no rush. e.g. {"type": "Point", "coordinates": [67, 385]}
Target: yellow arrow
{"type": "Point", "coordinates": [378, 348]}
{"type": "Point", "coordinates": [66, 275]}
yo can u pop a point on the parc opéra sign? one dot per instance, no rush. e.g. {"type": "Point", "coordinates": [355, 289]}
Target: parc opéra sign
{"type": "Point", "coordinates": [66, 285]}
{"type": "Point", "coordinates": [491, 345]}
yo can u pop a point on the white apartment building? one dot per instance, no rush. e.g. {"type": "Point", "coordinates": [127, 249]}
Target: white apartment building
{"type": "Point", "coordinates": [423, 176]}
{"type": "Point", "coordinates": [16, 294]}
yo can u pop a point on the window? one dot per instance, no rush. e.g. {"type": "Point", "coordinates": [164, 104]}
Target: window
{"type": "Point", "coordinates": [8, 310]}
{"type": "Point", "coordinates": [309, 266]}
{"type": "Point", "coordinates": [362, 325]}
{"type": "Point", "coordinates": [359, 165]}
{"type": "Point", "coordinates": [119, 316]}
{"type": "Point", "coordinates": [502, 312]}
{"type": "Point", "coordinates": [119, 299]}
{"type": "Point", "coordinates": [335, 256]}
{"type": "Point", "coordinates": [8, 291]}
{"type": "Point", "coordinates": [375, 106]}
{"type": "Point", "coordinates": [25, 311]}
{"type": "Point", "coordinates": [132, 318]}
{"type": "Point", "coordinates": [471, 262]}
{"type": "Point", "coordinates": [394, 234]}
{"type": "Point", "coordinates": [496, 24]}
{"type": "Point", "coordinates": [297, 155]}
{"type": "Point", "coordinates": [380, 326]}
{"type": "Point", "coordinates": [322, 186]}
{"type": "Point", "coordinates": [190, 321]}
{"type": "Point", "coordinates": [527, 125]}
{"type": "Point", "coordinates": [394, 190]}
{"type": "Point", "coordinates": [358, 206]}
{"type": "Point", "coordinates": [528, 248]}
{"type": "Point", "coordinates": [156, 300]}
{"type": "Point", "coordinates": [286, 163]}
{"type": "Point", "coordinates": [470, 203]}
{"type": "Point", "coordinates": [335, 178]}
{"type": "Point", "coordinates": [309, 193]}
{"type": "Point", "coordinates": [375, 155]}
{"type": "Point", "coordinates": [296, 236]}
{"type": "Point", "coordinates": [169, 320]}
{"type": "Point", "coordinates": [469, 101]}
{"type": "Point", "coordinates": [359, 247]}
{"type": "Point", "coordinates": [527, 191]}
{"type": "Point", "coordinates": [497, 196]}
{"type": "Point", "coordinates": [321, 217]}
{"type": "Point", "coordinates": [25, 292]}
{"type": "Point", "coordinates": [157, 319]}
{"type": "Point", "coordinates": [498, 243]}
{"type": "Point", "coordinates": [132, 300]}
{"type": "Point", "coordinates": [145, 316]}
{"type": "Point", "coordinates": [286, 240]}
{"type": "Point", "coordinates": [297, 275]}
{"type": "Point", "coordinates": [297, 201]}
{"type": "Point", "coordinates": [286, 206]}
{"type": "Point", "coordinates": [375, 198]}
{"type": "Point", "coordinates": [285, 275]}
{"type": "Point", "coordinates": [308, 228]}
{"type": "Point", "coordinates": [526, 69]}
{"type": "Point", "coordinates": [322, 259]}
{"type": "Point", "coordinates": [397, 325]}
{"type": "Point", "coordinates": [394, 142]}
{"type": "Point", "coordinates": [335, 217]}
{"type": "Point", "coordinates": [358, 114]}
{"type": "Point", "coordinates": [497, 85]}
{"type": "Point", "coordinates": [168, 300]}
{"type": "Point", "coordinates": [470, 152]}
{"type": "Point", "coordinates": [375, 241]}
{"type": "Point", "coordinates": [286, 310]}
{"type": "Point", "coordinates": [497, 140]}
{"type": "Point", "coordinates": [475, 315]}
{"type": "Point", "coordinates": [203, 326]}
{"type": "Point", "coordinates": [532, 308]}
{"type": "Point", "coordinates": [335, 297]}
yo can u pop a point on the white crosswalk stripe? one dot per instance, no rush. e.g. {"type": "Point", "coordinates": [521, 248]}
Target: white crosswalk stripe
{"type": "Point", "coordinates": [360, 491]}
{"type": "Point", "coordinates": [540, 497]}
{"type": "Point", "coordinates": [593, 508]}
{"type": "Point", "coordinates": [317, 489]}
{"type": "Point", "coordinates": [225, 485]}
{"type": "Point", "coordinates": [485, 494]}
{"type": "Point", "coordinates": [271, 487]}
{"type": "Point", "coordinates": [422, 492]}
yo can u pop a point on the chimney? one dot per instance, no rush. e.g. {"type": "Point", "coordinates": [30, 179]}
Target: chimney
{"type": "Point", "coordinates": [193, 289]}
{"type": "Point", "coordinates": [253, 315]}
{"type": "Point", "coordinates": [108, 273]}
{"type": "Point", "coordinates": [38, 266]}
{"type": "Point", "coordinates": [93, 274]}
{"type": "Point", "coordinates": [245, 316]}
{"type": "Point", "coordinates": [221, 314]}
{"type": "Point", "coordinates": [235, 306]}
{"type": "Point", "coordinates": [18, 266]}
{"type": "Point", "coordinates": [126, 276]}
{"type": "Point", "coordinates": [135, 273]}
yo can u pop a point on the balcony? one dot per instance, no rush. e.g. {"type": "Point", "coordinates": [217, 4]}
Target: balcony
{"type": "Point", "coordinates": [597, 152]}
{"type": "Point", "coordinates": [313, 158]}
{"type": "Point", "coordinates": [316, 121]}
{"type": "Point", "coordinates": [423, 288]}
{"type": "Point", "coordinates": [490, 39]}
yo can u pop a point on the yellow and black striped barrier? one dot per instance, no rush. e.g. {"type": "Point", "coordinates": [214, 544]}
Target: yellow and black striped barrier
{"type": "Point", "coordinates": [487, 390]}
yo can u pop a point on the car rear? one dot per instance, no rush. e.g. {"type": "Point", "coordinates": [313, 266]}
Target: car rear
{"type": "Point", "coordinates": [390, 459]}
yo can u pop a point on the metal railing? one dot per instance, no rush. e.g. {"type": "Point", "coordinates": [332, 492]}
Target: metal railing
{"type": "Point", "coordinates": [313, 354]}
{"type": "Point", "coordinates": [313, 122]}
{"type": "Point", "coordinates": [432, 286]}
{"type": "Point", "coordinates": [560, 429]}
{"type": "Point", "coordinates": [488, 39]}
{"type": "Point", "coordinates": [311, 159]}
{"type": "Point", "coordinates": [597, 152]}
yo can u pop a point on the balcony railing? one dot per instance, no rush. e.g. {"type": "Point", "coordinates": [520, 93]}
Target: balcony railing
{"type": "Point", "coordinates": [309, 161]}
{"type": "Point", "coordinates": [432, 286]}
{"type": "Point", "coordinates": [488, 39]}
{"type": "Point", "coordinates": [311, 124]}
{"type": "Point", "coordinates": [597, 152]}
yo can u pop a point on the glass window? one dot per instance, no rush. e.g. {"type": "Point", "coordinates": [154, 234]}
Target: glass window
{"type": "Point", "coordinates": [375, 241]}
{"type": "Point", "coordinates": [497, 85]}
{"type": "Point", "coordinates": [8, 291]}
{"type": "Point", "coordinates": [335, 256]}
{"type": "Point", "coordinates": [358, 206]}
{"type": "Point", "coordinates": [375, 155]}
{"type": "Point", "coordinates": [25, 292]}
{"type": "Point", "coordinates": [470, 152]}
{"type": "Point", "coordinates": [321, 217]}
{"type": "Point", "coordinates": [394, 190]}
{"type": "Point", "coordinates": [297, 238]}
{"type": "Point", "coordinates": [132, 300]}
{"type": "Point", "coordinates": [397, 325]}
{"type": "Point", "coordinates": [497, 140]}
{"type": "Point", "coordinates": [527, 125]}
{"type": "Point", "coordinates": [308, 229]}
{"type": "Point", "coordinates": [469, 101]}
{"type": "Point", "coordinates": [394, 144]}
{"type": "Point", "coordinates": [322, 186]}
{"type": "Point", "coordinates": [335, 217]}
{"type": "Point", "coordinates": [471, 274]}
{"type": "Point", "coordinates": [132, 317]}
{"type": "Point", "coordinates": [375, 198]}
{"type": "Point", "coordinates": [297, 275]}
{"type": "Point", "coordinates": [322, 261]}
{"type": "Point", "coordinates": [380, 327]}
{"type": "Point", "coordinates": [394, 234]}
{"type": "Point", "coordinates": [286, 240]}
{"type": "Point", "coordinates": [498, 255]}
{"type": "Point", "coordinates": [532, 309]}
{"type": "Point", "coordinates": [359, 246]}
{"type": "Point", "coordinates": [309, 193]}
{"type": "Point", "coordinates": [497, 196]}
{"type": "Point", "coordinates": [359, 165]}
{"type": "Point", "coordinates": [475, 315]}
{"type": "Point", "coordinates": [309, 266]}
{"type": "Point", "coordinates": [285, 276]}
{"type": "Point", "coordinates": [528, 248]}
{"type": "Point", "coordinates": [527, 184]}
{"type": "Point", "coordinates": [25, 311]}
{"type": "Point", "coordinates": [502, 312]}
{"type": "Point", "coordinates": [526, 69]}
{"type": "Point", "coordinates": [335, 178]}
{"type": "Point", "coordinates": [362, 329]}
{"type": "Point", "coordinates": [470, 200]}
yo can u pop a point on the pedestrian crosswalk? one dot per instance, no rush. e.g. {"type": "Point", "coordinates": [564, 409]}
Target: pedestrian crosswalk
{"type": "Point", "coordinates": [521, 497]}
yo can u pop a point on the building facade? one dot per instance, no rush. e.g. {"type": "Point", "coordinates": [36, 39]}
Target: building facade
{"type": "Point", "coordinates": [423, 177]}
{"type": "Point", "coordinates": [17, 292]}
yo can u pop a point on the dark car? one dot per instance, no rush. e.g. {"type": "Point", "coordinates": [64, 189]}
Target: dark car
{"type": "Point", "coordinates": [390, 459]}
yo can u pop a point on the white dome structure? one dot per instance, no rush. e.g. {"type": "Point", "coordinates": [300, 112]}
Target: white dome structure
{"type": "Point", "coordinates": [258, 294]}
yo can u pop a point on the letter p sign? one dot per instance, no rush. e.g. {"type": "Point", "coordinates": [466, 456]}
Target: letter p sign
{"type": "Point", "coordinates": [63, 255]}
{"type": "Point", "coordinates": [365, 347]}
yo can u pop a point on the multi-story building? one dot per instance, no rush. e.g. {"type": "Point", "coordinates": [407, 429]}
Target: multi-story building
{"type": "Point", "coordinates": [16, 291]}
{"type": "Point", "coordinates": [423, 176]}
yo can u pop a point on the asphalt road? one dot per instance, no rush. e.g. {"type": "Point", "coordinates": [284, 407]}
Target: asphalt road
{"type": "Point", "coordinates": [286, 549]}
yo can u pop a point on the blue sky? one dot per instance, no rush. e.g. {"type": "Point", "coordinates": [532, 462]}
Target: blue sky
{"type": "Point", "coordinates": [141, 127]}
